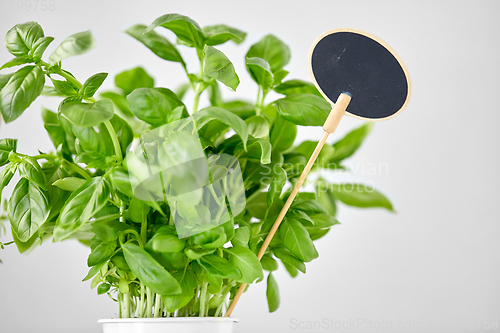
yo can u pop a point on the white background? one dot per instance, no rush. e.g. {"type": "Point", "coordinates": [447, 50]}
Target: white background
{"type": "Point", "coordinates": [433, 266]}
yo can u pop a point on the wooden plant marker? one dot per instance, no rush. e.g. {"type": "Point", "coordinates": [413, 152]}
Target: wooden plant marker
{"type": "Point", "coordinates": [345, 64]}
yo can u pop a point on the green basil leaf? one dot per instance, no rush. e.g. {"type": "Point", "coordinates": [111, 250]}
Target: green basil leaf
{"type": "Point", "coordinates": [297, 240]}
{"type": "Point", "coordinates": [293, 271]}
{"type": "Point", "coordinates": [51, 91]}
{"type": "Point", "coordinates": [242, 109]}
{"type": "Point", "coordinates": [132, 79]}
{"type": "Point", "coordinates": [105, 232]}
{"type": "Point", "coordinates": [28, 209]}
{"type": "Point", "coordinates": [92, 272]}
{"type": "Point", "coordinates": [260, 71]}
{"type": "Point", "coordinates": [49, 117]}
{"type": "Point", "coordinates": [306, 148]}
{"type": "Point", "coordinates": [187, 30]}
{"type": "Point", "coordinates": [70, 138]}
{"type": "Point", "coordinates": [92, 84]}
{"type": "Point", "coordinates": [21, 90]}
{"type": "Point", "coordinates": [359, 195]}
{"type": "Point", "coordinates": [151, 106]}
{"type": "Point", "coordinates": [279, 75]}
{"type": "Point", "coordinates": [322, 221]}
{"type": "Point", "coordinates": [178, 108]}
{"type": "Point", "coordinates": [282, 135]}
{"type": "Point", "coordinates": [123, 285]}
{"type": "Point", "coordinates": [138, 210]}
{"type": "Point", "coordinates": [241, 237]}
{"type": "Point", "coordinates": [6, 176]}
{"type": "Point", "coordinates": [83, 204]}
{"type": "Point", "coordinates": [300, 216]}
{"type": "Point", "coordinates": [56, 196]}
{"type": "Point", "coordinates": [304, 109]}
{"type": "Point", "coordinates": [4, 79]}
{"type": "Point", "coordinates": [256, 206]}
{"type": "Point", "coordinates": [349, 144]}
{"type": "Point", "coordinates": [199, 271]}
{"type": "Point", "coordinates": [103, 288]}
{"type": "Point", "coordinates": [119, 261]}
{"type": "Point", "coordinates": [187, 279]}
{"type": "Point", "coordinates": [29, 244]}
{"type": "Point", "coordinates": [30, 169]}
{"type": "Point", "coordinates": [22, 37]}
{"type": "Point", "coordinates": [173, 261]}
{"type": "Point", "coordinates": [288, 258]}
{"type": "Point", "coordinates": [168, 243]}
{"type": "Point", "coordinates": [75, 44]}
{"type": "Point", "coordinates": [108, 231]}
{"type": "Point", "coordinates": [292, 87]}
{"type": "Point", "coordinates": [217, 66]}
{"type": "Point", "coordinates": [219, 34]}
{"type": "Point", "coordinates": [156, 43]}
{"type": "Point", "coordinates": [308, 206]}
{"type": "Point", "coordinates": [226, 117]}
{"type": "Point", "coordinates": [120, 102]}
{"type": "Point", "coordinates": [259, 149]}
{"type": "Point", "coordinates": [210, 239]}
{"type": "Point", "coordinates": [123, 132]}
{"type": "Point", "coordinates": [69, 183]}
{"type": "Point", "coordinates": [268, 263]}
{"type": "Point", "coordinates": [195, 253]}
{"type": "Point", "coordinates": [258, 126]}
{"type": "Point", "coordinates": [120, 180]}
{"type": "Point", "coordinates": [94, 148]}
{"type": "Point", "coordinates": [214, 286]}
{"type": "Point", "coordinates": [101, 253]}
{"type": "Point", "coordinates": [213, 130]}
{"type": "Point", "coordinates": [88, 114]}
{"type": "Point", "coordinates": [64, 87]}
{"type": "Point", "coordinates": [6, 146]}
{"type": "Point", "coordinates": [270, 112]}
{"type": "Point", "coordinates": [216, 265]}
{"type": "Point", "coordinates": [271, 49]}
{"type": "Point", "coordinates": [107, 214]}
{"type": "Point", "coordinates": [276, 186]}
{"type": "Point", "coordinates": [14, 158]}
{"type": "Point", "coordinates": [39, 47]}
{"type": "Point", "coordinates": [149, 271]}
{"type": "Point", "coordinates": [272, 294]}
{"type": "Point", "coordinates": [317, 233]}
{"type": "Point", "coordinates": [229, 229]}
{"type": "Point", "coordinates": [325, 197]}
{"type": "Point", "coordinates": [52, 170]}
{"type": "Point", "coordinates": [247, 262]}
{"type": "Point", "coordinates": [16, 62]}
{"type": "Point", "coordinates": [302, 196]}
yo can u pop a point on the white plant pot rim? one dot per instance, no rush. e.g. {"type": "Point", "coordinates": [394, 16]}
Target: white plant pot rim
{"type": "Point", "coordinates": [171, 319]}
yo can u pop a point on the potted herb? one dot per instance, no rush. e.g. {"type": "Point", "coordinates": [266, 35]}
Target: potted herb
{"type": "Point", "coordinates": [88, 187]}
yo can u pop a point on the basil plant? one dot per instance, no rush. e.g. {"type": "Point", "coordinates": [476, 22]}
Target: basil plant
{"type": "Point", "coordinates": [85, 188]}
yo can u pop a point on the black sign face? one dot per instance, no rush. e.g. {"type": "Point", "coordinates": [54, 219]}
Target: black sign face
{"type": "Point", "coordinates": [355, 62]}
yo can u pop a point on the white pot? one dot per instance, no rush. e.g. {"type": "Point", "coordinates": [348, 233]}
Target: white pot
{"type": "Point", "coordinates": [170, 325]}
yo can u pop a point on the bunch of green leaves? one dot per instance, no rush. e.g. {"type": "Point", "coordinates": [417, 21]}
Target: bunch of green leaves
{"type": "Point", "coordinates": [82, 189]}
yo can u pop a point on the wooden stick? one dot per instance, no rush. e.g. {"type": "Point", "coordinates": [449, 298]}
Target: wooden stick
{"type": "Point", "coordinates": [330, 125]}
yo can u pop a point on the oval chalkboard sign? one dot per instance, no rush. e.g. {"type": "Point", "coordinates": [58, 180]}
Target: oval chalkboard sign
{"type": "Point", "coordinates": [347, 60]}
